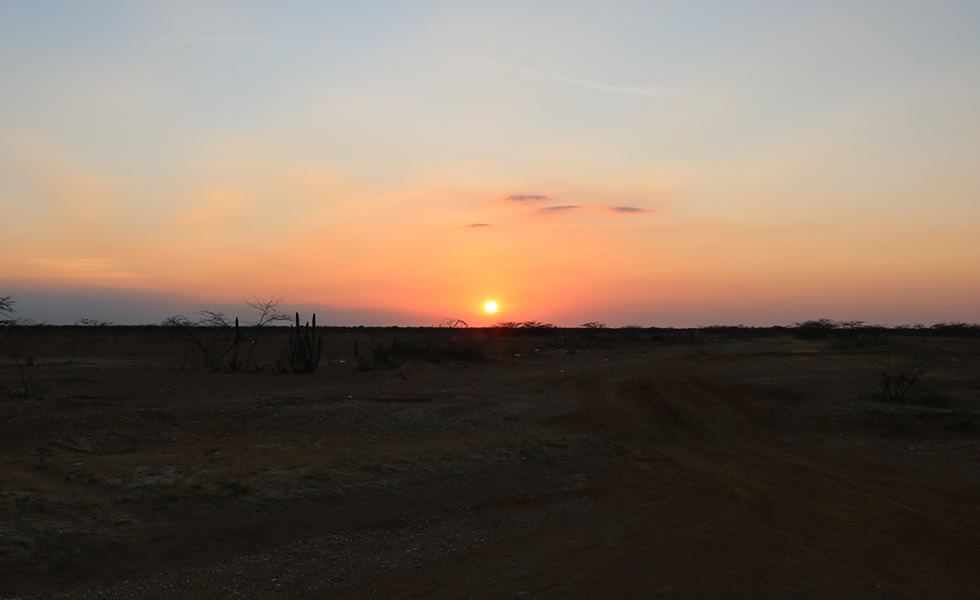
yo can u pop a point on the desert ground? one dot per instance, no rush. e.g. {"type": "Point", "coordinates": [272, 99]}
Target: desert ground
{"type": "Point", "coordinates": [480, 463]}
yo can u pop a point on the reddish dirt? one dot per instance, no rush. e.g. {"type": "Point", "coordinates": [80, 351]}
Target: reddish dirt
{"type": "Point", "coordinates": [561, 465]}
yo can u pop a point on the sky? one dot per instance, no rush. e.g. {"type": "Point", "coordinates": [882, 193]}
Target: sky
{"type": "Point", "coordinates": [399, 163]}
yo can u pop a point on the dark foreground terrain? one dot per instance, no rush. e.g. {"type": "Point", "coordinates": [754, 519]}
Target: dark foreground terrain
{"type": "Point", "coordinates": [477, 465]}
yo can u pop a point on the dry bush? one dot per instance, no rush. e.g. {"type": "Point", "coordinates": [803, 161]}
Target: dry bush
{"type": "Point", "coordinates": [895, 382]}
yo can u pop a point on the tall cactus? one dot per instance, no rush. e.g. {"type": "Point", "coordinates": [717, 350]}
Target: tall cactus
{"type": "Point", "coordinates": [302, 354]}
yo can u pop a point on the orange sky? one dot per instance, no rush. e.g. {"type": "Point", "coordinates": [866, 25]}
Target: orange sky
{"type": "Point", "coordinates": [637, 167]}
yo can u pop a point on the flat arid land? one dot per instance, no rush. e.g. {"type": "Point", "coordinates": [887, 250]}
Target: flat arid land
{"type": "Point", "coordinates": [444, 463]}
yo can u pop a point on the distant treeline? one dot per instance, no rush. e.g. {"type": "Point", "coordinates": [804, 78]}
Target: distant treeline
{"type": "Point", "coordinates": [827, 327]}
{"type": "Point", "coordinates": [814, 329]}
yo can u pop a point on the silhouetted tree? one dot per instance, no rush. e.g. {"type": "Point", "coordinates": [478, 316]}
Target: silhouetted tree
{"type": "Point", "coordinates": [204, 332]}
{"type": "Point", "coordinates": [815, 329]}
{"type": "Point", "coordinates": [209, 328]}
{"type": "Point", "coordinates": [86, 322]}
{"type": "Point", "coordinates": [7, 308]}
{"type": "Point", "coordinates": [19, 338]}
{"type": "Point", "coordinates": [536, 325]}
{"type": "Point", "coordinates": [453, 323]}
{"type": "Point", "coordinates": [268, 313]}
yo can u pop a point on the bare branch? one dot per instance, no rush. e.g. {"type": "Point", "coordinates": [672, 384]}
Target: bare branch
{"type": "Point", "coordinates": [87, 322]}
{"type": "Point", "coordinates": [268, 311]}
{"type": "Point", "coordinates": [176, 321]}
{"type": "Point", "coordinates": [7, 305]}
{"type": "Point", "coordinates": [210, 318]}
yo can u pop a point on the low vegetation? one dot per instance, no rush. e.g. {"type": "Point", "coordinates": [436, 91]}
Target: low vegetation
{"type": "Point", "coordinates": [895, 382]}
{"type": "Point", "coordinates": [7, 309]}
{"type": "Point", "coordinates": [123, 464]}
{"type": "Point", "coordinates": [302, 353]}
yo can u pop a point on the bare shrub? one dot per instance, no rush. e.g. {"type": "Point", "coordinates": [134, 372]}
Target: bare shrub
{"type": "Point", "coordinates": [205, 333]}
{"type": "Point", "coordinates": [7, 308]}
{"type": "Point", "coordinates": [268, 313]}
{"type": "Point", "coordinates": [895, 382]}
{"type": "Point", "coordinates": [87, 322]}
{"type": "Point", "coordinates": [209, 332]}
{"type": "Point", "coordinates": [453, 323]}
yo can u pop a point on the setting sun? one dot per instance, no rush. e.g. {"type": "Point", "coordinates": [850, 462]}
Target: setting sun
{"type": "Point", "coordinates": [591, 215]}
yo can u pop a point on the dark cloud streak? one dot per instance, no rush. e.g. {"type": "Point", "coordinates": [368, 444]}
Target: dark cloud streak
{"type": "Point", "coordinates": [556, 209]}
{"type": "Point", "coordinates": [479, 225]}
{"type": "Point", "coordinates": [629, 210]}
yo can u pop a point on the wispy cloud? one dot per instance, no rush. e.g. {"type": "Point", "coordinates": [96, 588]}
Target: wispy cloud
{"type": "Point", "coordinates": [557, 209]}
{"type": "Point", "coordinates": [629, 210]}
{"type": "Point", "coordinates": [232, 40]}
{"type": "Point", "coordinates": [64, 268]}
{"type": "Point", "coordinates": [602, 86]}
{"type": "Point", "coordinates": [527, 198]}
{"type": "Point", "coordinates": [479, 225]}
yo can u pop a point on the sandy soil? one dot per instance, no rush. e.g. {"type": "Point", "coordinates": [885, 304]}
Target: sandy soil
{"type": "Point", "coordinates": [558, 466]}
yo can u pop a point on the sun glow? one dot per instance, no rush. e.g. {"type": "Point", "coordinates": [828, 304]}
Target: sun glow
{"type": "Point", "coordinates": [490, 307]}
